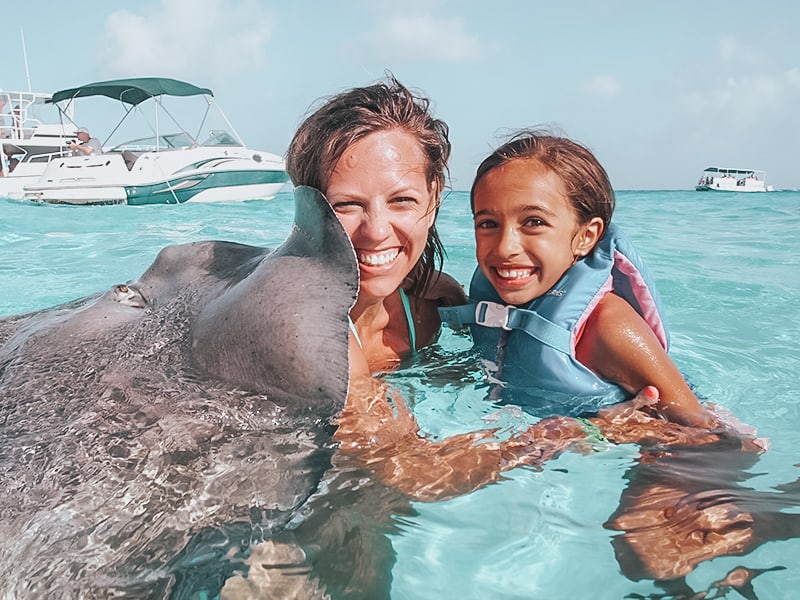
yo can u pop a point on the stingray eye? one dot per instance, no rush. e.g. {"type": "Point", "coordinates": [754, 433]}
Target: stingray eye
{"type": "Point", "coordinates": [123, 288]}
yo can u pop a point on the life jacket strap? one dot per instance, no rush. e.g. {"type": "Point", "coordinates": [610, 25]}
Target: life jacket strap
{"type": "Point", "coordinates": [492, 314]}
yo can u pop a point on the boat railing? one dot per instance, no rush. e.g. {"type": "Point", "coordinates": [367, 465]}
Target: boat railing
{"type": "Point", "coordinates": [20, 121]}
{"type": "Point", "coordinates": [14, 131]}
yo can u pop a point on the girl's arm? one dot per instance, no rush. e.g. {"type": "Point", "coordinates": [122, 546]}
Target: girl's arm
{"type": "Point", "coordinates": [619, 346]}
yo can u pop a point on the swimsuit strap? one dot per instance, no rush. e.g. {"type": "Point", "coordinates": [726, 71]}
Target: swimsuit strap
{"type": "Point", "coordinates": [355, 332]}
{"type": "Point", "coordinates": [412, 332]}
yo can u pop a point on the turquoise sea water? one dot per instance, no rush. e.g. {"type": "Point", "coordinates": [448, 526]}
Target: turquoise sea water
{"type": "Point", "coordinates": [728, 269]}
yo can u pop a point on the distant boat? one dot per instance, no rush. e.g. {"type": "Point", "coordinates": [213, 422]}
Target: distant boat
{"type": "Point", "coordinates": [722, 179]}
{"type": "Point", "coordinates": [165, 167]}
{"type": "Point", "coordinates": [31, 134]}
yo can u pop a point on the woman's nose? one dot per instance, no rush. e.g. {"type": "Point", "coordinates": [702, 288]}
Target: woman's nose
{"type": "Point", "coordinates": [377, 223]}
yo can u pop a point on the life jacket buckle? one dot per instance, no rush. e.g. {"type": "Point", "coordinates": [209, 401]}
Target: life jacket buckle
{"type": "Point", "coordinates": [491, 314]}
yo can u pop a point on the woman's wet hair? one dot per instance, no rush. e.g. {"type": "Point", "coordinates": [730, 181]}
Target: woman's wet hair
{"type": "Point", "coordinates": [343, 119]}
{"type": "Point", "coordinates": [585, 180]}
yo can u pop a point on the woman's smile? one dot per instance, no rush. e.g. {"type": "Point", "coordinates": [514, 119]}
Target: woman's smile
{"type": "Point", "coordinates": [377, 258]}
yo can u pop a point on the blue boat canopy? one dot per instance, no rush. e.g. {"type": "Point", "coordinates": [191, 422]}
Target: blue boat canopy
{"type": "Point", "coordinates": [132, 91]}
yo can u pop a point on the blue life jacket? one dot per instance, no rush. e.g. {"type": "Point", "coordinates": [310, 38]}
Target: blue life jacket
{"type": "Point", "coordinates": [530, 350]}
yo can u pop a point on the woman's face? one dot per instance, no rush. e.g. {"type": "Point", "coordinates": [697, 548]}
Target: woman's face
{"type": "Point", "coordinates": [380, 193]}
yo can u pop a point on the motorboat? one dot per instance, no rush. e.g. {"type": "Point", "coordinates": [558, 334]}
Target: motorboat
{"type": "Point", "coordinates": [164, 167]}
{"type": "Point", "coordinates": [723, 179]}
{"type": "Point", "coordinates": [32, 133]}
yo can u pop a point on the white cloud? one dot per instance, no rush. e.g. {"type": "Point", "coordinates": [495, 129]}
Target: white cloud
{"type": "Point", "coordinates": [731, 51]}
{"type": "Point", "coordinates": [739, 91]}
{"type": "Point", "coordinates": [727, 48]}
{"type": "Point", "coordinates": [738, 107]}
{"type": "Point", "coordinates": [418, 38]}
{"type": "Point", "coordinates": [603, 85]}
{"type": "Point", "coordinates": [188, 39]}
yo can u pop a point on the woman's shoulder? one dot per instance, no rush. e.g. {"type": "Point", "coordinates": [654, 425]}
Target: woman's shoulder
{"type": "Point", "coordinates": [444, 290]}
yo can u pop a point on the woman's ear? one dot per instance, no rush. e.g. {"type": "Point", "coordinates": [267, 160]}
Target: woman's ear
{"type": "Point", "coordinates": [588, 235]}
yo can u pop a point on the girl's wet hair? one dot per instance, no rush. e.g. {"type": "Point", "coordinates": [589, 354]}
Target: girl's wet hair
{"type": "Point", "coordinates": [348, 117]}
{"type": "Point", "coordinates": [585, 180]}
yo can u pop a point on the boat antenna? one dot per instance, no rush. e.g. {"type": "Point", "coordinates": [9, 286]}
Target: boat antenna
{"type": "Point", "coordinates": [25, 57]}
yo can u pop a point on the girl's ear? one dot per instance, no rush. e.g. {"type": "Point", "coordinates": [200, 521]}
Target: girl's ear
{"type": "Point", "coordinates": [588, 235]}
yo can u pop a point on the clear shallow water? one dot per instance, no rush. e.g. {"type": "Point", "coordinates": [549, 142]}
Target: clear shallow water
{"type": "Point", "coordinates": [728, 270]}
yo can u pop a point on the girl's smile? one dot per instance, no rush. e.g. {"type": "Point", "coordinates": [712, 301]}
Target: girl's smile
{"type": "Point", "coordinates": [526, 231]}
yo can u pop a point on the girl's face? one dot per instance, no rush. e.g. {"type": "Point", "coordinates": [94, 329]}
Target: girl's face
{"type": "Point", "coordinates": [380, 193]}
{"type": "Point", "coordinates": [526, 231]}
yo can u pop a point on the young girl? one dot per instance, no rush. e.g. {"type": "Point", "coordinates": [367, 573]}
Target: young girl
{"type": "Point", "coordinates": [561, 305]}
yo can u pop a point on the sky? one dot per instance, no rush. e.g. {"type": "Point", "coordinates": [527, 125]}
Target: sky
{"type": "Point", "coordinates": [657, 90]}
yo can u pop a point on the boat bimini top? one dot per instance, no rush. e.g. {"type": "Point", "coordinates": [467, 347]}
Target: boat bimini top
{"type": "Point", "coordinates": [132, 91]}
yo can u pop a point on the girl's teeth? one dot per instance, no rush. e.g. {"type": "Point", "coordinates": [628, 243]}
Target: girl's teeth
{"type": "Point", "coordinates": [514, 273]}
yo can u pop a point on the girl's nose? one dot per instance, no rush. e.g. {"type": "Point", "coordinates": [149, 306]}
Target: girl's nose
{"type": "Point", "coordinates": [509, 242]}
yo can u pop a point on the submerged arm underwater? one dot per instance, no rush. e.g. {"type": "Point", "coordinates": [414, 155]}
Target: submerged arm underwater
{"type": "Point", "coordinates": [384, 435]}
{"type": "Point", "coordinates": [378, 429]}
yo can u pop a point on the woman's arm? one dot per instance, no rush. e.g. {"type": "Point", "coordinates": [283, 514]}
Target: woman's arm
{"type": "Point", "coordinates": [619, 346]}
{"type": "Point", "coordinates": [384, 436]}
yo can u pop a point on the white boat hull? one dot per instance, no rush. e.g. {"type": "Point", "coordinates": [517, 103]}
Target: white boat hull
{"type": "Point", "coordinates": [726, 186]}
{"type": "Point", "coordinates": [198, 174]}
{"type": "Point", "coordinates": [13, 185]}
{"type": "Point", "coordinates": [716, 179]}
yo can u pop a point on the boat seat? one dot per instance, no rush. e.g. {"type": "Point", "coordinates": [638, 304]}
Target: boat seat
{"type": "Point", "coordinates": [130, 157]}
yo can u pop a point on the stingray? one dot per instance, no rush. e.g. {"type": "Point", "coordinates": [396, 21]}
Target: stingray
{"type": "Point", "coordinates": [147, 431]}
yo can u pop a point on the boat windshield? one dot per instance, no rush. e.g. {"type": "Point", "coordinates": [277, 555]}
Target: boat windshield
{"type": "Point", "coordinates": [220, 137]}
{"type": "Point", "coordinates": [156, 142]}
{"type": "Point", "coordinates": [175, 140]}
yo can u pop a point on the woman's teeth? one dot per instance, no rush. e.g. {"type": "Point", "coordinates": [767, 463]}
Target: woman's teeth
{"type": "Point", "coordinates": [377, 259]}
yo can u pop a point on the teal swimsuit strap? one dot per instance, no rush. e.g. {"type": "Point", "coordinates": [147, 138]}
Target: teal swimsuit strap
{"type": "Point", "coordinates": [412, 332]}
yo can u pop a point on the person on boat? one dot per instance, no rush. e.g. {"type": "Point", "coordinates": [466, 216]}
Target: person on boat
{"type": "Point", "coordinates": [3, 124]}
{"type": "Point", "coordinates": [565, 306]}
{"type": "Point", "coordinates": [17, 113]}
{"type": "Point", "coordinates": [88, 145]}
